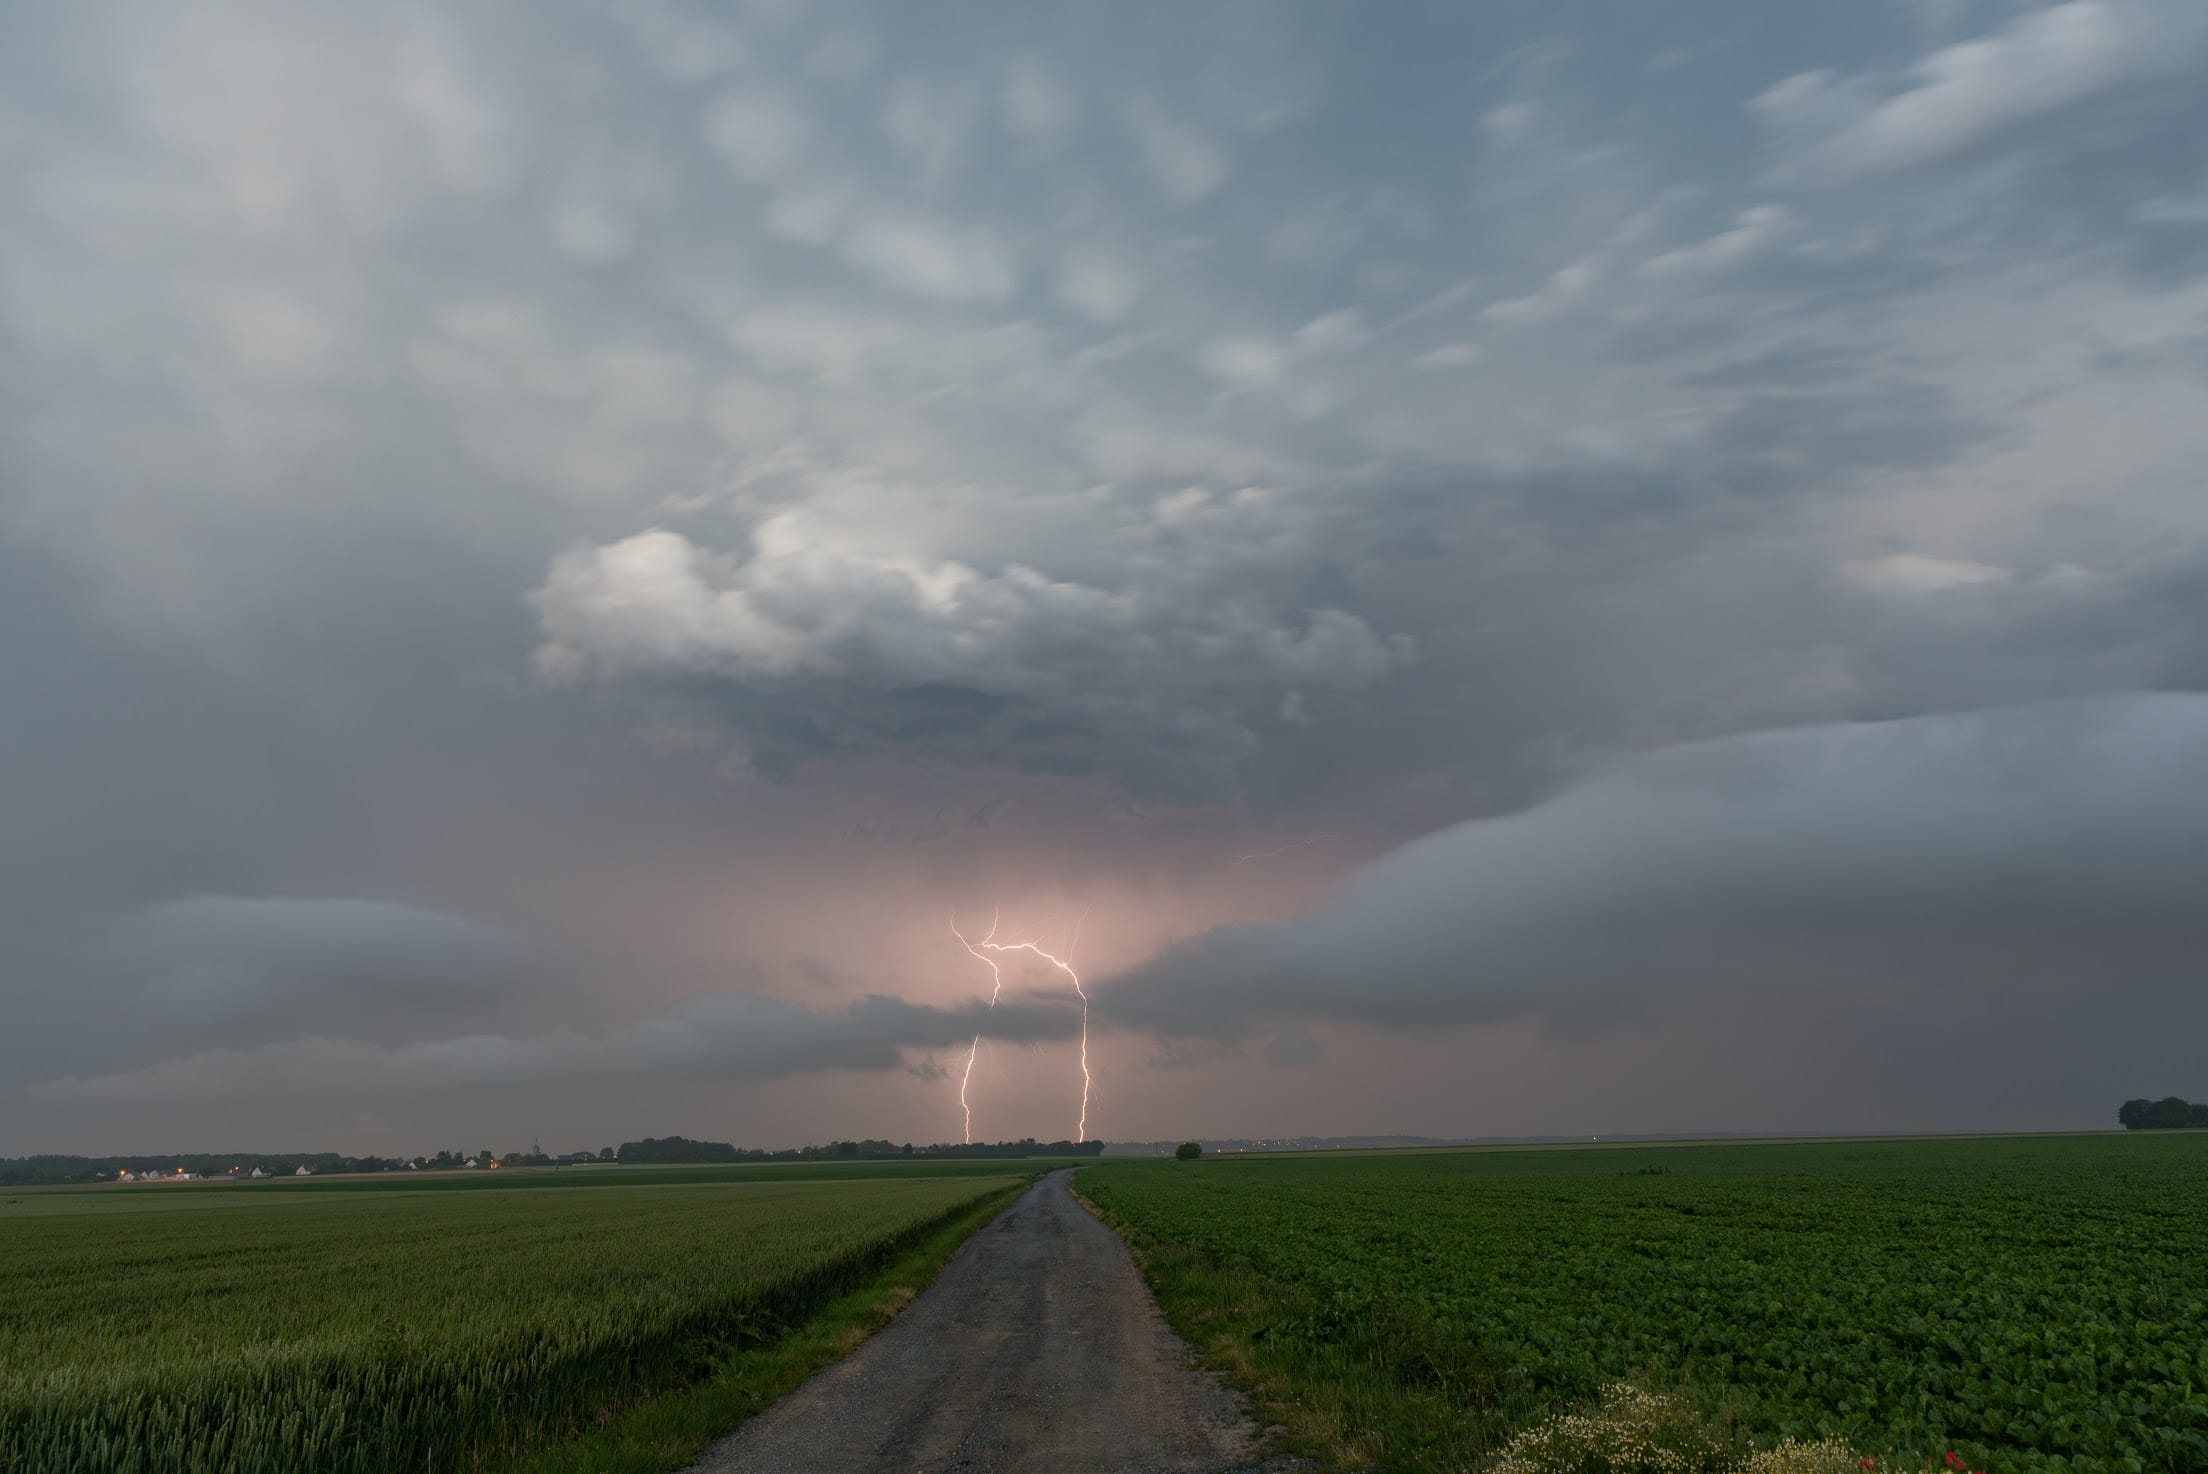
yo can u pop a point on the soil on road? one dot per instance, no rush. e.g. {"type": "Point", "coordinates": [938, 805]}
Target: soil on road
{"type": "Point", "coordinates": [1037, 1348]}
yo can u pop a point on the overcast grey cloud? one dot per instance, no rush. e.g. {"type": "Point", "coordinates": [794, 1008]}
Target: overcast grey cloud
{"type": "Point", "coordinates": [230, 968]}
{"type": "Point", "coordinates": [529, 534]}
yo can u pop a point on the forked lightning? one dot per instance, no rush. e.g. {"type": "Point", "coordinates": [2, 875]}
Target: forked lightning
{"type": "Point", "coordinates": [989, 949]}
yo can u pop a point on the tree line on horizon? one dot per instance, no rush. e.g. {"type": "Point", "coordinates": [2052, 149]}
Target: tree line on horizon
{"type": "Point", "coordinates": [2166, 1114]}
{"type": "Point", "coordinates": [681, 1149]}
{"type": "Point", "coordinates": [55, 1167]}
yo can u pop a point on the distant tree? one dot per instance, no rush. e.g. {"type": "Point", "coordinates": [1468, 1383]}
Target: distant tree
{"type": "Point", "coordinates": [2167, 1114]}
{"type": "Point", "coordinates": [605, 1154]}
{"type": "Point", "coordinates": [675, 1149]}
{"type": "Point", "coordinates": [1188, 1151]}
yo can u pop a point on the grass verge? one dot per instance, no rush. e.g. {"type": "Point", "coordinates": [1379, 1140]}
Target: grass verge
{"type": "Point", "coordinates": [669, 1431]}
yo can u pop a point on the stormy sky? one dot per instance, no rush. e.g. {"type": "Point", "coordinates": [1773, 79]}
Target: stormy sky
{"type": "Point", "coordinates": [1504, 569]}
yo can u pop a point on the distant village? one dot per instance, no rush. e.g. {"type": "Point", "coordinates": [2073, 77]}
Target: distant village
{"type": "Point", "coordinates": [442, 1162]}
{"type": "Point", "coordinates": [253, 1166]}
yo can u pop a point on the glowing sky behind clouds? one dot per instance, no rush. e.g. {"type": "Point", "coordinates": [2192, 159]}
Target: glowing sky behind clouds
{"type": "Point", "coordinates": [545, 551]}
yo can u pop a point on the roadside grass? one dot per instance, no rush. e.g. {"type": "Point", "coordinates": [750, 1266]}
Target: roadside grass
{"type": "Point", "coordinates": [671, 1430]}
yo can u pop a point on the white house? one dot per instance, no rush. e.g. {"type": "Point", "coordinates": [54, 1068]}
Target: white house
{"type": "Point", "coordinates": [256, 1172]}
{"type": "Point", "coordinates": [303, 1170]}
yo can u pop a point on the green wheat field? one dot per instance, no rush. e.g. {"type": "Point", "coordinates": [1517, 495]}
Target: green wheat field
{"type": "Point", "coordinates": [368, 1327]}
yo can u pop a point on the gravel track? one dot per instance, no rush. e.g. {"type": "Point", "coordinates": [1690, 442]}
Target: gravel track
{"type": "Point", "coordinates": [1037, 1348]}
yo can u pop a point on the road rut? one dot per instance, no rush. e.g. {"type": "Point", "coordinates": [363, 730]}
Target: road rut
{"type": "Point", "coordinates": [1037, 1348]}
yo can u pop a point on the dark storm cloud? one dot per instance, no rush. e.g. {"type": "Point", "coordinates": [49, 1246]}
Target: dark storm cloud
{"type": "Point", "coordinates": [845, 650]}
{"type": "Point", "coordinates": [717, 1038]}
{"type": "Point", "coordinates": [245, 971]}
{"type": "Point", "coordinates": [452, 455]}
{"type": "Point", "coordinates": [231, 956]}
{"type": "Point", "coordinates": [735, 1036]}
{"type": "Point", "coordinates": [2058, 844]}
{"type": "Point", "coordinates": [2008, 636]}
{"type": "Point", "coordinates": [1219, 626]}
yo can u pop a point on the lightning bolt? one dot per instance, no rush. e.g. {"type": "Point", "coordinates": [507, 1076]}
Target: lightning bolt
{"type": "Point", "coordinates": [996, 981]}
{"type": "Point", "coordinates": [989, 949]}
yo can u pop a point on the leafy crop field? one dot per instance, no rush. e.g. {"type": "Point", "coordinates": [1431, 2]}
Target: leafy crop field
{"type": "Point", "coordinates": [172, 1329]}
{"type": "Point", "coordinates": [2032, 1303]}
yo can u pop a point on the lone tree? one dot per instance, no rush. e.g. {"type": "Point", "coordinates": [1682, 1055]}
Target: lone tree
{"type": "Point", "coordinates": [1188, 1151]}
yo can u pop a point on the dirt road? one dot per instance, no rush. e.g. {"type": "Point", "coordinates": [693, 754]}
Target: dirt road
{"type": "Point", "coordinates": [1037, 1349]}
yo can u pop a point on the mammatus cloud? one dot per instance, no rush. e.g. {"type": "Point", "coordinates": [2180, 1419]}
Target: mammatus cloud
{"type": "Point", "coordinates": [1186, 164]}
{"type": "Point", "coordinates": [2042, 61]}
{"type": "Point", "coordinates": [1999, 851]}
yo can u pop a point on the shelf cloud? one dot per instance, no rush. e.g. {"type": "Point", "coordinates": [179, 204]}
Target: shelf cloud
{"type": "Point", "coordinates": [2060, 845]}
